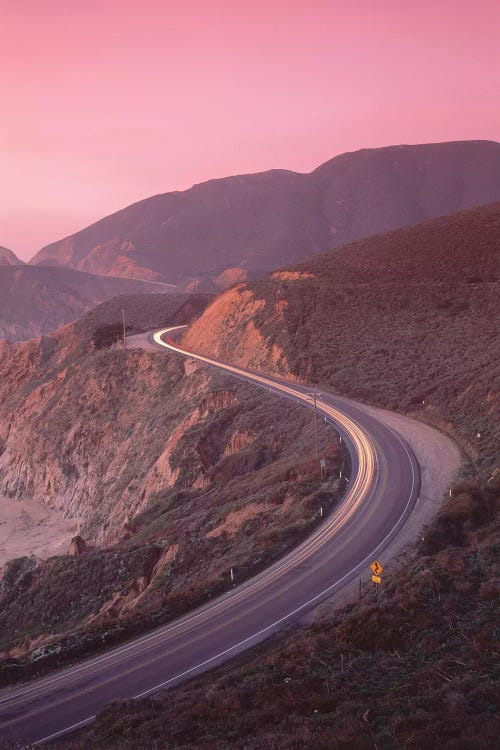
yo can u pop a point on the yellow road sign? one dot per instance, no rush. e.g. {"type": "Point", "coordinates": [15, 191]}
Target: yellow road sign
{"type": "Point", "coordinates": [376, 567]}
{"type": "Point", "coordinates": [376, 579]}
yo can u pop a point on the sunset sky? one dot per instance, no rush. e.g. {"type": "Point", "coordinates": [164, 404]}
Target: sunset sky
{"type": "Point", "coordinates": [107, 102]}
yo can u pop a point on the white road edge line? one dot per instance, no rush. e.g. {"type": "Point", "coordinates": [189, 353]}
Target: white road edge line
{"type": "Point", "coordinates": [61, 732]}
{"type": "Point", "coordinates": [273, 625]}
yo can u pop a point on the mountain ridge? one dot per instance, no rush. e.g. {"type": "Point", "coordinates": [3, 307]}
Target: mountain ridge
{"type": "Point", "coordinates": [258, 222]}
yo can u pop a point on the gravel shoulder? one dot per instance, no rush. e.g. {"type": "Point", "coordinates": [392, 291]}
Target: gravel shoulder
{"type": "Point", "coordinates": [439, 458]}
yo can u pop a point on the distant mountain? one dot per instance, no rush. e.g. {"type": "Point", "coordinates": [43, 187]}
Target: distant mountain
{"type": "Point", "coordinates": [36, 300]}
{"type": "Point", "coordinates": [258, 222]}
{"type": "Point", "coordinates": [8, 258]}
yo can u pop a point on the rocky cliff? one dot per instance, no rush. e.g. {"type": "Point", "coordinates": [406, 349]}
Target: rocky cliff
{"type": "Point", "coordinates": [175, 473]}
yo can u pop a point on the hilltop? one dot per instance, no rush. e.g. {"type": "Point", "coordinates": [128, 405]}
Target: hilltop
{"type": "Point", "coordinates": [251, 224]}
{"type": "Point", "coordinates": [8, 258]}
{"type": "Point", "coordinates": [36, 300]}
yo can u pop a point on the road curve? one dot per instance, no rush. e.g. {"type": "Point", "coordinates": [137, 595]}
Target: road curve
{"type": "Point", "coordinates": [381, 492]}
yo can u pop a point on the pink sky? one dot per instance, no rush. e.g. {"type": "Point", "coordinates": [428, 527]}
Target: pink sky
{"type": "Point", "coordinates": [107, 102]}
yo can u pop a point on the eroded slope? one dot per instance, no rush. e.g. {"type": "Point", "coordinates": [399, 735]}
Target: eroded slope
{"type": "Point", "coordinates": [176, 474]}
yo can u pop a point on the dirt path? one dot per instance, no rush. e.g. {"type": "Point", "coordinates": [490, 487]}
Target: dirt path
{"type": "Point", "coordinates": [32, 528]}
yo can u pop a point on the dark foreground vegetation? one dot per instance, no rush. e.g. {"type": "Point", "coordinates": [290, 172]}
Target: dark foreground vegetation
{"type": "Point", "coordinates": [417, 668]}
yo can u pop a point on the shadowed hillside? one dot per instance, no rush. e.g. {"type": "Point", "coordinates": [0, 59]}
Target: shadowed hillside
{"type": "Point", "coordinates": [35, 301]}
{"type": "Point", "coordinates": [255, 223]}
{"type": "Point", "coordinates": [8, 258]}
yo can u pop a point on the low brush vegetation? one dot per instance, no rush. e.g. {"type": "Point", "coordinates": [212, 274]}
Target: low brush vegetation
{"type": "Point", "coordinates": [406, 320]}
{"type": "Point", "coordinates": [103, 325]}
{"type": "Point", "coordinates": [416, 667]}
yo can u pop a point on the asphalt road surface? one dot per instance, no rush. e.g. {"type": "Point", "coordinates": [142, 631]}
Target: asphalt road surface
{"type": "Point", "coordinates": [381, 491]}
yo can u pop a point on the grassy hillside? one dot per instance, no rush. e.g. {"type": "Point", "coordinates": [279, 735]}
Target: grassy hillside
{"type": "Point", "coordinates": [407, 320]}
{"type": "Point", "coordinates": [259, 222]}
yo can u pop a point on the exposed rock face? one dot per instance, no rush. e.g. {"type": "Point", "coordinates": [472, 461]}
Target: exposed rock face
{"type": "Point", "coordinates": [76, 439]}
{"type": "Point", "coordinates": [238, 442]}
{"type": "Point", "coordinates": [77, 546]}
{"type": "Point", "coordinates": [231, 276]}
{"type": "Point", "coordinates": [228, 329]}
{"type": "Point", "coordinates": [109, 259]}
{"type": "Point", "coordinates": [265, 221]}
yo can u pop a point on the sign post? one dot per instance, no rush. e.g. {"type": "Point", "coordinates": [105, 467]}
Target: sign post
{"type": "Point", "coordinates": [377, 569]}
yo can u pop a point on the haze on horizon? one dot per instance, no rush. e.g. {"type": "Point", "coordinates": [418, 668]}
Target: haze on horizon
{"type": "Point", "coordinates": [109, 102]}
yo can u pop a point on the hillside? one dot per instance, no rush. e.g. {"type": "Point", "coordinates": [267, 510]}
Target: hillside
{"type": "Point", "coordinates": [256, 223]}
{"type": "Point", "coordinates": [407, 320]}
{"type": "Point", "coordinates": [37, 300]}
{"type": "Point", "coordinates": [396, 319]}
{"type": "Point", "coordinates": [8, 258]}
{"type": "Point", "coordinates": [169, 469]}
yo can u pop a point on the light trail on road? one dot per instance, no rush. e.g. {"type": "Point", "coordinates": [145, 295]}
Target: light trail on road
{"type": "Point", "coordinates": [382, 489]}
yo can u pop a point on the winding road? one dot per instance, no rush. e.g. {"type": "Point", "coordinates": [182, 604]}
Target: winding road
{"type": "Point", "coordinates": [381, 492]}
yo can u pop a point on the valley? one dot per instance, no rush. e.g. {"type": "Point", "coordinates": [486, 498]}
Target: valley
{"type": "Point", "coordinates": [36, 301]}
